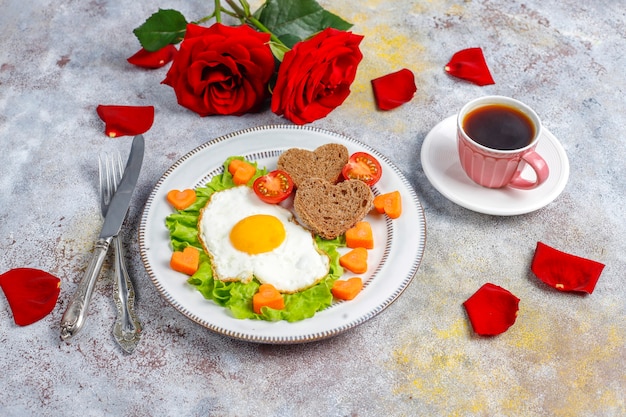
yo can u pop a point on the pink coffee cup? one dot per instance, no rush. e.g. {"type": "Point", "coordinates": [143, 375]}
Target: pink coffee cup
{"type": "Point", "coordinates": [505, 135]}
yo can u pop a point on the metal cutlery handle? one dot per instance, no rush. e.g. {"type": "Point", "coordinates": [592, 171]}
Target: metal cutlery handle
{"type": "Point", "coordinates": [76, 312]}
{"type": "Point", "coordinates": [127, 328]}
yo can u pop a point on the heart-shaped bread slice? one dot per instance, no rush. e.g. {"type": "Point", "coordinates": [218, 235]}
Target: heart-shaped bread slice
{"type": "Point", "coordinates": [329, 210]}
{"type": "Point", "coordinates": [325, 162]}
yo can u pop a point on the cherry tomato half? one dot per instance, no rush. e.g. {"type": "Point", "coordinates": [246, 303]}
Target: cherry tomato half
{"type": "Point", "coordinates": [363, 166]}
{"type": "Point", "coordinates": [273, 187]}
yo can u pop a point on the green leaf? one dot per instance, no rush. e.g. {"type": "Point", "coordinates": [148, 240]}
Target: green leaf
{"type": "Point", "coordinates": [278, 50]}
{"type": "Point", "coordinates": [161, 29]}
{"type": "Point", "coordinates": [294, 21]}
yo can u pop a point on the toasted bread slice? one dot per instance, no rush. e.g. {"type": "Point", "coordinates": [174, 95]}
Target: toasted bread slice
{"type": "Point", "coordinates": [325, 162]}
{"type": "Point", "coordinates": [328, 209]}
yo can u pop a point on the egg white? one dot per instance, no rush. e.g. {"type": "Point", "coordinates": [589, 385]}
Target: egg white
{"type": "Point", "coordinates": [296, 264]}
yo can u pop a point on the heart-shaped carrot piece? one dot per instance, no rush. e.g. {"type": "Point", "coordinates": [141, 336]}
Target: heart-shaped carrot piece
{"type": "Point", "coordinates": [355, 260]}
{"type": "Point", "coordinates": [389, 203]}
{"type": "Point", "coordinates": [186, 261]}
{"type": "Point", "coordinates": [241, 171]}
{"type": "Point", "coordinates": [360, 236]}
{"type": "Point", "coordinates": [180, 200]}
{"type": "Point", "coordinates": [347, 289]}
{"type": "Point", "coordinates": [267, 296]}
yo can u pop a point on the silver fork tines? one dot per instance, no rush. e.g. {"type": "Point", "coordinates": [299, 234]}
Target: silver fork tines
{"type": "Point", "coordinates": [110, 171]}
{"type": "Point", "coordinates": [127, 328]}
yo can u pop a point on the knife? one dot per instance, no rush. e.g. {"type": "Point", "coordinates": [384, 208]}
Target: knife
{"type": "Point", "coordinates": [74, 317]}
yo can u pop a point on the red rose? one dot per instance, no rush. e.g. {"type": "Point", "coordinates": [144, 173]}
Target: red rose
{"type": "Point", "coordinates": [221, 69]}
{"type": "Point", "coordinates": [315, 76]}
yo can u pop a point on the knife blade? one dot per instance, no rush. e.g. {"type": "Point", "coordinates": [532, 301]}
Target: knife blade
{"type": "Point", "coordinates": [74, 317]}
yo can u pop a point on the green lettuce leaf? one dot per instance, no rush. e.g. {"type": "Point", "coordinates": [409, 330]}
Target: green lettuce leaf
{"type": "Point", "coordinates": [236, 296]}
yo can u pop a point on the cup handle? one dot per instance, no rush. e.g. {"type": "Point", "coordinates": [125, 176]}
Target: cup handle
{"type": "Point", "coordinates": [538, 164]}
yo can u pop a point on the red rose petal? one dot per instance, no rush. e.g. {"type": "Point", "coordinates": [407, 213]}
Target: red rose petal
{"type": "Point", "coordinates": [564, 271]}
{"type": "Point", "coordinates": [491, 310]}
{"type": "Point", "coordinates": [469, 64]}
{"type": "Point", "coordinates": [31, 293]}
{"type": "Point", "coordinates": [393, 90]}
{"type": "Point", "coordinates": [126, 120]}
{"type": "Point", "coordinates": [153, 60]}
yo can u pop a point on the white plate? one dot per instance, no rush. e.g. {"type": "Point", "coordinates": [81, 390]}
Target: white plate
{"type": "Point", "coordinates": [440, 161]}
{"type": "Point", "coordinates": [392, 263]}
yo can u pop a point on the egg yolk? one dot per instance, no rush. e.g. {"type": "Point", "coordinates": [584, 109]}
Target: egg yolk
{"type": "Point", "coordinates": [257, 234]}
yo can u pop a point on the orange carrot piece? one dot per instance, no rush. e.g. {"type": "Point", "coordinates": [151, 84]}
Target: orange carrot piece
{"type": "Point", "coordinates": [234, 164]}
{"type": "Point", "coordinates": [355, 260]}
{"type": "Point", "coordinates": [347, 289]}
{"type": "Point", "coordinates": [389, 203]}
{"type": "Point", "coordinates": [267, 296]}
{"type": "Point", "coordinates": [180, 200]}
{"type": "Point", "coordinates": [241, 171]}
{"type": "Point", "coordinates": [186, 261]}
{"type": "Point", "coordinates": [360, 236]}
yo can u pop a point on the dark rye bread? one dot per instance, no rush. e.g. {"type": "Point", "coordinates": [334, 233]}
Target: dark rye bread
{"type": "Point", "coordinates": [329, 210]}
{"type": "Point", "coordinates": [325, 162]}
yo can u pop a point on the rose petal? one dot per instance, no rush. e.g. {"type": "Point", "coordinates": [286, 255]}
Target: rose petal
{"type": "Point", "coordinates": [153, 60]}
{"type": "Point", "coordinates": [469, 64]}
{"type": "Point", "coordinates": [564, 271]}
{"type": "Point", "coordinates": [491, 310]}
{"type": "Point", "coordinates": [393, 90]}
{"type": "Point", "coordinates": [31, 293]}
{"type": "Point", "coordinates": [126, 120]}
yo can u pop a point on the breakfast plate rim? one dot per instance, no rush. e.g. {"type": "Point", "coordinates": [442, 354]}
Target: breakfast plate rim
{"type": "Point", "coordinates": [399, 267]}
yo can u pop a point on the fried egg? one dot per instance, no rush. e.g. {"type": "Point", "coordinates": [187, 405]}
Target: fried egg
{"type": "Point", "coordinates": [246, 237]}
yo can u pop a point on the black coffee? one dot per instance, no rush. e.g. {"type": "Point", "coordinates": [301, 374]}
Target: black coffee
{"type": "Point", "coordinates": [498, 126]}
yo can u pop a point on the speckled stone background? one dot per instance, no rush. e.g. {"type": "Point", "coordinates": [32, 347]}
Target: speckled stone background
{"type": "Point", "coordinates": [565, 355]}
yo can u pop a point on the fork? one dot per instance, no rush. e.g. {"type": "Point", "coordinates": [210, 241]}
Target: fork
{"type": "Point", "coordinates": [127, 328]}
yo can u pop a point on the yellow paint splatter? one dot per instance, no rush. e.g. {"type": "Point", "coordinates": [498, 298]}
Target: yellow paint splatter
{"type": "Point", "coordinates": [455, 10]}
{"type": "Point", "coordinates": [533, 335]}
{"type": "Point", "coordinates": [431, 377]}
{"type": "Point", "coordinates": [458, 328]}
{"type": "Point", "coordinates": [541, 366]}
{"type": "Point", "coordinates": [585, 387]}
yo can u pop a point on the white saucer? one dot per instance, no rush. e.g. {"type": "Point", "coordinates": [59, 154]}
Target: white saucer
{"type": "Point", "coordinates": [440, 162]}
